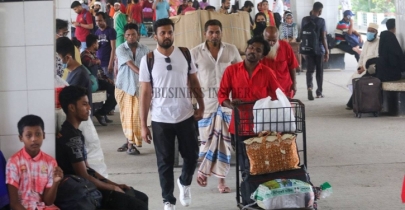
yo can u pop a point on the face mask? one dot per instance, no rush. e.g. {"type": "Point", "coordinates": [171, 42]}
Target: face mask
{"type": "Point", "coordinates": [370, 36]}
{"type": "Point", "coordinates": [65, 65]}
{"type": "Point", "coordinates": [250, 10]}
{"type": "Point", "coordinates": [349, 17]}
{"type": "Point", "coordinates": [261, 24]}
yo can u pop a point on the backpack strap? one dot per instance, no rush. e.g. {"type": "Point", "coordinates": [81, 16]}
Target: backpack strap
{"type": "Point", "coordinates": [150, 60]}
{"type": "Point", "coordinates": [187, 55]}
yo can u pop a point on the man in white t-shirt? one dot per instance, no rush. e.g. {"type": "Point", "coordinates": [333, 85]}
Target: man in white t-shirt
{"type": "Point", "coordinates": [171, 79]}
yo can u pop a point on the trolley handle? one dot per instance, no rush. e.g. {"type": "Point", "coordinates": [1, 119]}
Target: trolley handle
{"type": "Point", "coordinates": [253, 102]}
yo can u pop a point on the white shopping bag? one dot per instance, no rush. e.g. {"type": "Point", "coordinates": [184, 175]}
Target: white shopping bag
{"type": "Point", "coordinates": [274, 115]}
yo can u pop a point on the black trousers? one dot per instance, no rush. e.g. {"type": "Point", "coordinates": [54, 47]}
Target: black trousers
{"type": "Point", "coordinates": [110, 103]}
{"type": "Point", "coordinates": [131, 200]}
{"type": "Point", "coordinates": [315, 63]}
{"type": "Point", "coordinates": [164, 141]}
{"type": "Point", "coordinates": [349, 49]}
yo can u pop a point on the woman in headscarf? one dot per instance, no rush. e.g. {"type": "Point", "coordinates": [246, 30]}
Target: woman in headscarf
{"type": "Point", "coordinates": [288, 29]}
{"type": "Point", "coordinates": [260, 24]}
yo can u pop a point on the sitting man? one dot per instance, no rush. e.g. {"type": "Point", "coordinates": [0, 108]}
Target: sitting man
{"type": "Point", "coordinates": [368, 58]}
{"type": "Point", "coordinates": [72, 156]}
{"type": "Point", "coordinates": [32, 176]}
{"type": "Point", "coordinates": [90, 60]}
{"type": "Point", "coordinates": [348, 39]}
{"type": "Point", "coordinates": [391, 60]}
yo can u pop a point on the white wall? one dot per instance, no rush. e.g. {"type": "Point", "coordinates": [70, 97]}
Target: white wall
{"type": "Point", "coordinates": [330, 13]}
{"type": "Point", "coordinates": [399, 22]}
{"type": "Point", "coordinates": [26, 70]}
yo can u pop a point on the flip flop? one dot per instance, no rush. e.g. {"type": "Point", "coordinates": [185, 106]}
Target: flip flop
{"type": "Point", "coordinates": [224, 189]}
{"type": "Point", "coordinates": [123, 148]}
{"type": "Point", "coordinates": [133, 151]}
{"type": "Point", "coordinates": [202, 180]}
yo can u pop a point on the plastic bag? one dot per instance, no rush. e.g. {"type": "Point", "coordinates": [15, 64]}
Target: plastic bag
{"type": "Point", "coordinates": [284, 193]}
{"type": "Point", "coordinates": [274, 115]}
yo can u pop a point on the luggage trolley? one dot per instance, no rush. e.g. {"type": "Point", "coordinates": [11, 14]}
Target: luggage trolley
{"type": "Point", "coordinates": [244, 124]}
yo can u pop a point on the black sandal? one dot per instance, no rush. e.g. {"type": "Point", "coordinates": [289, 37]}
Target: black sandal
{"type": "Point", "coordinates": [123, 148]}
{"type": "Point", "coordinates": [133, 151]}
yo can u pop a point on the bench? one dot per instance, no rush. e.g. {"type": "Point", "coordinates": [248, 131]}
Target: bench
{"type": "Point", "coordinates": [394, 97]}
{"type": "Point", "coordinates": [336, 59]}
{"type": "Point", "coordinates": [98, 99]}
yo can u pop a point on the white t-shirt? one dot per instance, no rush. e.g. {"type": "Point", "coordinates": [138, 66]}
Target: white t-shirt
{"type": "Point", "coordinates": [171, 100]}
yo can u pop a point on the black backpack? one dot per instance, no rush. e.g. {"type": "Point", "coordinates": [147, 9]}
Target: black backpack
{"type": "Point", "coordinates": [150, 60]}
{"type": "Point", "coordinates": [310, 44]}
{"type": "Point", "coordinates": [77, 193]}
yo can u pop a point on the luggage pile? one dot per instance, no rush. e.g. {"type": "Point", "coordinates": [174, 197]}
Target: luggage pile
{"type": "Point", "coordinates": [276, 176]}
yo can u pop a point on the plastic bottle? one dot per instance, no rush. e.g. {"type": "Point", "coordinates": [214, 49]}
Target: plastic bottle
{"type": "Point", "coordinates": [326, 190]}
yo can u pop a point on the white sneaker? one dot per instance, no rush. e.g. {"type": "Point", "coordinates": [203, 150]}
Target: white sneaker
{"type": "Point", "coordinates": [185, 194]}
{"type": "Point", "coordinates": [169, 206]}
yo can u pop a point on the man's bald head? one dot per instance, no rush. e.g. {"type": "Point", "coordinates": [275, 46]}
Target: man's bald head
{"type": "Point", "coordinates": [271, 35]}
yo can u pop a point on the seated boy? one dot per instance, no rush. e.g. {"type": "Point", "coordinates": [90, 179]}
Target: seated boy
{"type": "Point", "coordinates": [32, 176]}
{"type": "Point", "coordinates": [72, 156]}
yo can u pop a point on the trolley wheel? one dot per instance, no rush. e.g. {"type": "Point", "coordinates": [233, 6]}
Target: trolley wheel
{"type": "Point", "coordinates": [376, 114]}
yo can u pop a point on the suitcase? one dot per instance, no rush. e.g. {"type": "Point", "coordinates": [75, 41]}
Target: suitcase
{"type": "Point", "coordinates": [367, 96]}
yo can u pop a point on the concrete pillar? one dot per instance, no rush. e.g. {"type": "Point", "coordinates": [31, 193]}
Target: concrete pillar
{"type": "Point", "coordinates": [400, 22]}
{"type": "Point", "coordinates": [330, 12]}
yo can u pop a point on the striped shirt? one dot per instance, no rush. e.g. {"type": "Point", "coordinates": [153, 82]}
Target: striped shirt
{"type": "Point", "coordinates": [30, 176]}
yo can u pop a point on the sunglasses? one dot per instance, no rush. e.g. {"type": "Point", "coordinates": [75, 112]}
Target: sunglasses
{"type": "Point", "coordinates": [168, 67]}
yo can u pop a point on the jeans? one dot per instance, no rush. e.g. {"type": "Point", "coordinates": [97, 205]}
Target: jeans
{"type": "Point", "coordinates": [315, 62]}
{"type": "Point", "coordinates": [108, 74]}
{"type": "Point", "coordinates": [110, 103]}
{"type": "Point", "coordinates": [164, 135]}
{"type": "Point", "coordinates": [131, 200]}
{"type": "Point", "coordinates": [347, 48]}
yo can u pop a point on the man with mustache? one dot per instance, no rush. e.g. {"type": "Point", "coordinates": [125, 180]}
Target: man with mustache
{"type": "Point", "coordinates": [129, 56]}
{"type": "Point", "coordinates": [247, 81]}
{"type": "Point", "coordinates": [225, 5]}
{"type": "Point", "coordinates": [281, 60]}
{"type": "Point", "coordinates": [171, 78]}
{"type": "Point", "coordinates": [211, 59]}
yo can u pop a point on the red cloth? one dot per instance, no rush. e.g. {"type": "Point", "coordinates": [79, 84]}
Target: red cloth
{"type": "Point", "coordinates": [281, 66]}
{"type": "Point", "coordinates": [270, 18]}
{"type": "Point", "coordinates": [403, 191]}
{"type": "Point", "coordinates": [236, 79]}
{"type": "Point", "coordinates": [81, 33]}
{"type": "Point", "coordinates": [187, 10]}
{"type": "Point", "coordinates": [123, 9]}
{"type": "Point", "coordinates": [136, 12]}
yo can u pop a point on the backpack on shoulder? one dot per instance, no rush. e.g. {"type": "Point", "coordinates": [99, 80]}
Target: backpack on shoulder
{"type": "Point", "coordinates": [77, 193]}
{"type": "Point", "coordinates": [150, 60]}
{"type": "Point", "coordinates": [310, 44]}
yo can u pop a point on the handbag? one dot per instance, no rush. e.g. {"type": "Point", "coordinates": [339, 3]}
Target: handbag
{"type": "Point", "coordinates": [272, 152]}
{"type": "Point", "coordinates": [93, 81]}
{"type": "Point", "coordinates": [77, 193]}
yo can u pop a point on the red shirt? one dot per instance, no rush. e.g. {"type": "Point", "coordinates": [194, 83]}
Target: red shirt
{"type": "Point", "coordinates": [136, 12]}
{"type": "Point", "coordinates": [30, 176]}
{"type": "Point", "coordinates": [284, 61]}
{"type": "Point", "coordinates": [81, 33]}
{"type": "Point", "coordinates": [236, 80]}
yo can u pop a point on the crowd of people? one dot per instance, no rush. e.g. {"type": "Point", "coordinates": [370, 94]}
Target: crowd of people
{"type": "Point", "coordinates": [163, 82]}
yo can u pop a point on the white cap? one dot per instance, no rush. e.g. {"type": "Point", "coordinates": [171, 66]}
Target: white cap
{"type": "Point", "coordinates": [117, 3]}
{"type": "Point", "coordinates": [97, 3]}
{"type": "Point", "coordinates": [81, 1]}
{"type": "Point", "coordinates": [373, 25]}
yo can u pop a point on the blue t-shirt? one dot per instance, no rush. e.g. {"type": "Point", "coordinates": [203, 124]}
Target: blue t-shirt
{"type": "Point", "coordinates": [104, 44]}
{"type": "Point", "coordinates": [162, 10]}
